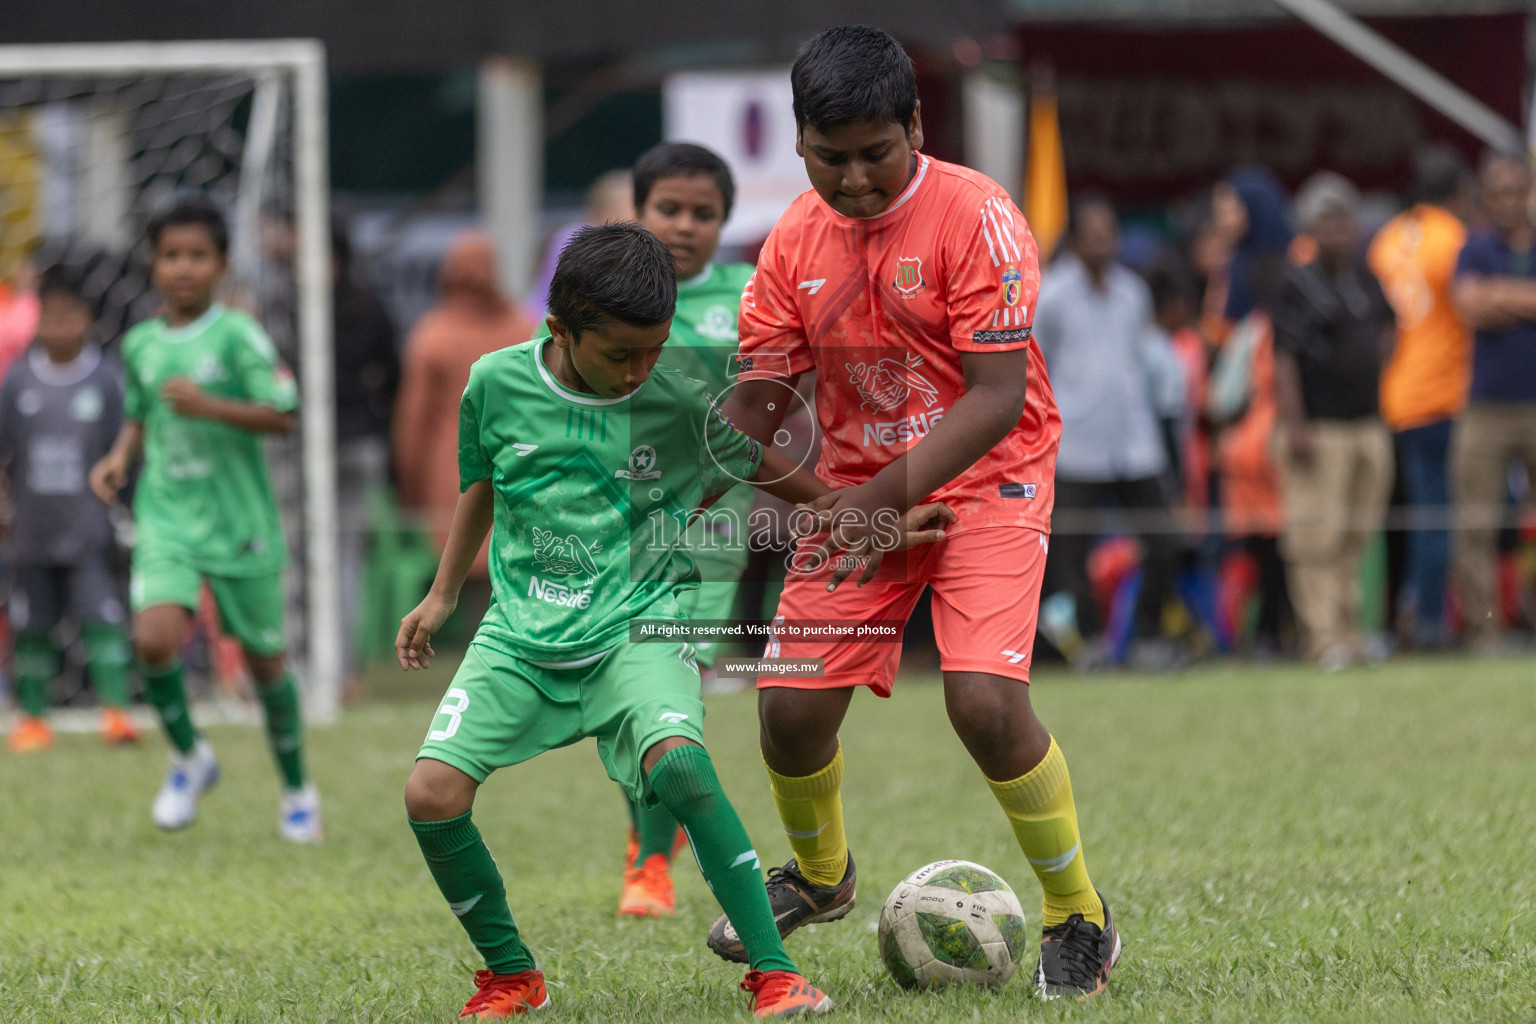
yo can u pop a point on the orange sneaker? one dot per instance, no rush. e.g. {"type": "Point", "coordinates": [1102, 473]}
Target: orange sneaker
{"type": "Point", "coordinates": [117, 727]}
{"type": "Point", "coordinates": [29, 736]}
{"type": "Point", "coordinates": [632, 846]}
{"type": "Point", "coordinates": [648, 889]}
{"type": "Point", "coordinates": [502, 995]}
{"type": "Point", "coordinates": [784, 994]}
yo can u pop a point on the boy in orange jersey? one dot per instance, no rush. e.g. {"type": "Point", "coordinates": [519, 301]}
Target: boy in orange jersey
{"type": "Point", "coordinates": [909, 286]}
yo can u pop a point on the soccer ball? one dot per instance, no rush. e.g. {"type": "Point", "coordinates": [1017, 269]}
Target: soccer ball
{"type": "Point", "coordinates": [952, 923]}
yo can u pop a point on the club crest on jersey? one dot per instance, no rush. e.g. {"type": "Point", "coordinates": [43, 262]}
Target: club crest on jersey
{"type": "Point", "coordinates": [208, 369]}
{"type": "Point", "coordinates": [642, 465]}
{"type": "Point", "coordinates": [565, 555]}
{"type": "Point", "coordinates": [1011, 286]}
{"type": "Point", "coordinates": [886, 384]}
{"type": "Point", "coordinates": [719, 323]}
{"type": "Point", "coordinates": [909, 282]}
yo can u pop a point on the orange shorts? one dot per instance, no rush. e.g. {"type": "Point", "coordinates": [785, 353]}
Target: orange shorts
{"type": "Point", "coordinates": [986, 597]}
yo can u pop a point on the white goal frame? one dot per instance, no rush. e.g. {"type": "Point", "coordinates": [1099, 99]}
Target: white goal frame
{"type": "Point", "coordinates": [298, 64]}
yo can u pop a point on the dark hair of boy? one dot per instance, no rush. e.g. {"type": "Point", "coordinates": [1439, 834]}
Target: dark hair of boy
{"type": "Point", "coordinates": [681, 160]}
{"type": "Point", "coordinates": [191, 212]}
{"type": "Point", "coordinates": [850, 74]}
{"type": "Point", "coordinates": [64, 280]}
{"type": "Point", "coordinates": [613, 272]}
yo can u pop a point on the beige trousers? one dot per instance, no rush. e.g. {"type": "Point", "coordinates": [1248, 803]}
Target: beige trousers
{"type": "Point", "coordinates": [1334, 504]}
{"type": "Point", "coordinates": [1488, 438]}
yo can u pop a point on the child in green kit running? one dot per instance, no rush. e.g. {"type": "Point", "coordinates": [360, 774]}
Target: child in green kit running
{"type": "Point", "coordinates": [203, 385]}
{"type": "Point", "coordinates": [575, 453]}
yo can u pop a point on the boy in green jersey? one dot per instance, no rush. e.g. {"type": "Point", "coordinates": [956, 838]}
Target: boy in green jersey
{"type": "Point", "coordinates": [684, 194]}
{"type": "Point", "coordinates": [584, 461]}
{"type": "Point", "coordinates": [203, 384]}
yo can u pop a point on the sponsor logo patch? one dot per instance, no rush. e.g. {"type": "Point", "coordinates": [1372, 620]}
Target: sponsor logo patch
{"type": "Point", "coordinates": [913, 428]}
{"type": "Point", "coordinates": [558, 594]}
{"type": "Point", "coordinates": [564, 555]}
{"type": "Point", "coordinates": [1011, 490]}
{"type": "Point", "coordinates": [885, 384]}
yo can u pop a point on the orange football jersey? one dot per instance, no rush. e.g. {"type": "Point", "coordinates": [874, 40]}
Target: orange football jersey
{"type": "Point", "coordinates": [881, 309]}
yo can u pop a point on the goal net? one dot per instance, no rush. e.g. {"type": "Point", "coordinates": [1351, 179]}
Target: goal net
{"type": "Point", "coordinates": [95, 138]}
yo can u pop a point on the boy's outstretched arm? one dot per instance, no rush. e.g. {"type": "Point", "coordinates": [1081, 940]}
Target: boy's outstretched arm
{"type": "Point", "coordinates": [110, 474]}
{"type": "Point", "coordinates": [471, 522]}
{"type": "Point", "coordinates": [190, 400]}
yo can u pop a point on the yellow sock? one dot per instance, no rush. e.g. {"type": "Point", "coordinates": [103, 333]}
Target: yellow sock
{"type": "Point", "coordinates": [1040, 808]}
{"type": "Point", "coordinates": [812, 811]}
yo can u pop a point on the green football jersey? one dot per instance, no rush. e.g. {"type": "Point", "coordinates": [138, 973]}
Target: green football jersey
{"type": "Point", "coordinates": [204, 493]}
{"type": "Point", "coordinates": [591, 497]}
{"type": "Point", "coordinates": [702, 345]}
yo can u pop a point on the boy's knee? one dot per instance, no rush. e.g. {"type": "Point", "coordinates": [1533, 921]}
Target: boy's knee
{"type": "Point", "coordinates": [267, 669]}
{"type": "Point", "coordinates": [155, 648]}
{"type": "Point", "coordinates": [438, 793]}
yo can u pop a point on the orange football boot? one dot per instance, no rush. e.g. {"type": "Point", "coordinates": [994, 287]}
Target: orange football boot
{"type": "Point", "coordinates": [648, 889]}
{"type": "Point", "coordinates": [29, 736]}
{"type": "Point", "coordinates": [784, 994]}
{"type": "Point", "coordinates": [503, 995]}
{"type": "Point", "coordinates": [117, 727]}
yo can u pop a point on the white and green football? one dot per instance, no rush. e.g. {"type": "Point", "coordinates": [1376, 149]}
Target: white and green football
{"type": "Point", "coordinates": [952, 923]}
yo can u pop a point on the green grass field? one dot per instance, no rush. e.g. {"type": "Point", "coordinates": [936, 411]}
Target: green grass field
{"type": "Point", "coordinates": [1276, 845]}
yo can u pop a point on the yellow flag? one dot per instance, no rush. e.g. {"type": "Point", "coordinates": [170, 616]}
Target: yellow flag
{"type": "Point", "coordinates": [1045, 174]}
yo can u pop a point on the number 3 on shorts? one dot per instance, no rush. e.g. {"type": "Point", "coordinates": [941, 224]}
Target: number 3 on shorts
{"type": "Point", "coordinates": [454, 704]}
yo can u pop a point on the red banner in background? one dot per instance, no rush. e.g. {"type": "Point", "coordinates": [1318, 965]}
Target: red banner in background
{"type": "Point", "coordinates": [1149, 115]}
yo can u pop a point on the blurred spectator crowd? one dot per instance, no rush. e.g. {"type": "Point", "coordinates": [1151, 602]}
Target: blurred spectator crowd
{"type": "Point", "coordinates": [1295, 431]}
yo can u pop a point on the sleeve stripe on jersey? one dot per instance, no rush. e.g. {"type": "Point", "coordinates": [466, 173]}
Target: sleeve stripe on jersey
{"type": "Point", "coordinates": [987, 234]}
{"type": "Point", "coordinates": [1003, 219]}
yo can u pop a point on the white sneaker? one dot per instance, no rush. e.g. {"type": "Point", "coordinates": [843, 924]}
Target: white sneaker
{"type": "Point", "coordinates": [191, 776]}
{"type": "Point", "coordinates": [298, 818]}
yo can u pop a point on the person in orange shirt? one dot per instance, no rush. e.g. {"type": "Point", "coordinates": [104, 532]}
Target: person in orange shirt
{"type": "Point", "coordinates": [471, 318]}
{"type": "Point", "coordinates": [909, 286]}
{"type": "Point", "coordinates": [1424, 386]}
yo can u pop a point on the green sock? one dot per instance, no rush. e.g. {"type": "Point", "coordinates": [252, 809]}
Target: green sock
{"type": "Point", "coordinates": [685, 781]}
{"type": "Point", "coordinates": [657, 829]}
{"type": "Point", "coordinates": [106, 655]}
{"type": "Point", "coordinates": [285, 728]}
{"type": "Point", "coordinates": [169, 696]}
{"type": "Point", "coordinates": [466, 875]}
{"type": "Point", "coordinates": [37, 662]}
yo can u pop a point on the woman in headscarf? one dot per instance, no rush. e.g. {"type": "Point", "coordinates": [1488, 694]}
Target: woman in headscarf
{"type": "Point", "coordinates": [1251, 209]}
{"type": "Point", "coordinates": [472, 317]}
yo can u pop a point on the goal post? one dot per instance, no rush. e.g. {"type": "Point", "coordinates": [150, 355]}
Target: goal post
{"type": "Point", "coordinates": [272, 97]}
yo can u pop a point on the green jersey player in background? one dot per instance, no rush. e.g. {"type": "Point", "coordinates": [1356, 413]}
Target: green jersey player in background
{"type": "Point", "coordinates": [203, 384]}
{"type": "Point", "coordinates": [585, 461]}
{"type": "Point", "coordinates": [683, 196]}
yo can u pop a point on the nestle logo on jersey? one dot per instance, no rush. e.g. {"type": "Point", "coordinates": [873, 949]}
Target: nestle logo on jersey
{"type": "Point", "coordinates": [558, 594]}
{"type": "Point", "coordinates": [912, 428]}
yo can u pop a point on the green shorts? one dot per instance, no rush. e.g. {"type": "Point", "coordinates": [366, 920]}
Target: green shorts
{"type": "Point", "coordinates": [250, 607]}
{"type": "Point", "coordinates": [501, 710]}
